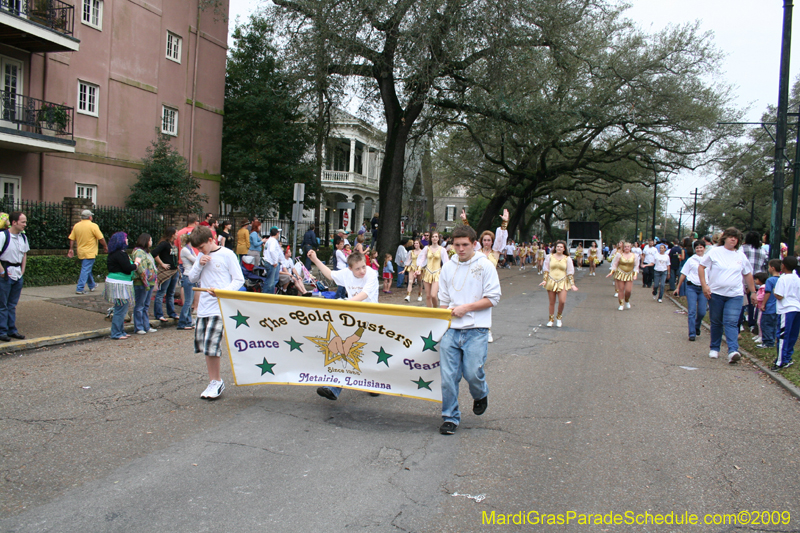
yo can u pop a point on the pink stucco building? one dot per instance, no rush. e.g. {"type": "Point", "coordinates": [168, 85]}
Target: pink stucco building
{"type": "Point", "coordinates": [86, 85]}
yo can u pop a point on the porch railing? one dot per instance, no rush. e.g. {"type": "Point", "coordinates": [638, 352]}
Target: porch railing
{"type": "Point", "coordinates": [34, 115]}
{"type": "Point", "coordinates": [55, 14]}
{"type": "Point", "coordinates": [338, 176]}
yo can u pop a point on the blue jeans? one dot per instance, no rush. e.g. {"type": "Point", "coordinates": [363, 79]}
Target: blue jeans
{"type": "Point", "coordinates": [658, 283]}
{"type": "Point", "coordinates": [769, 329]}
{"type": "Point", "coordinates": [141, 322]}
{"type": "Point", "coordinates": [725, 318]}
{"type": "Point", "coordinates": [674, 275]}
{"type": "Point", "coordinates": [185, 319]}
{"type": "Point", "coordinates": [401, 276]}
{"type": "Point", "coordinates": [9, 296]}
{"type": "Point", "coordinates": [86, 275]}
{"type": "Point", "coordinates": [463, 354]}
{"type": "Point", "coordinates": [167, 287]}
{"type": "Point", "coordinates": [118, 320]}
{"type": "Point", "coordinates": [272, 275]}
{"type": "Point", "coordinates": [696, 304]}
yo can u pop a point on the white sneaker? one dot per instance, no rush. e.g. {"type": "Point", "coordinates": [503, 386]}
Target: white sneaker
{"type": "Point", "coordinates": [419, 299]}
{"type": "Point", "coordinates": [659, 300]}
{"type": "Point", "coordinates": [558, 322]}
{"type": "Point", "coordinates": [621, 307]}
{"type": "Point", "coordinates": [627, 305]}
{"type": "Point", "coordinates": [733, 357]}
{"type": "Point", "coordinates": [213, 390]}
{"type": "Point", "coordinates": [151, 330]}
{"type": "Point", "coordinates": [141, 332]}
{"type": "Point", "coordinates": [550, 324]}
{"type": "Point", "coordinates": [407, 298]}
{"type": "Point", "coordinates": [616, 295]}
{"type": "Point", "coordinates": [713, 354]}
{"type": "Point", "coordinates": [491, 339]}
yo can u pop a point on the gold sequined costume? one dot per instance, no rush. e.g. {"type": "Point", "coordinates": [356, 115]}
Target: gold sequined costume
{"type": "Point", "coordinates": [434, 266]}
{"type": "Point", "coordinates": [558, 275]}
{"type": "Point", "coordinates": [413, 266]}
{"type": "Point", "coordinates": [625, 268]}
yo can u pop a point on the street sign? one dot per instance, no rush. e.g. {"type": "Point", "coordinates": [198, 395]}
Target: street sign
{"type": "Point", "coordinates": [402, 227]}
{"type": "Point", "coordinates": [299, 192]}
{"type": "Point", "coordinates": [345, 219]}
{"type": "Point", "coordinates": [297, 212]}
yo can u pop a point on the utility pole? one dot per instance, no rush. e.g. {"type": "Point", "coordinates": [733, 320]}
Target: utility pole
{"type": "Point", "coordinates": [680, 219]}
{"type": "Point", "coordinates": [795, 190]}
{"type": "Point", "coordinates": [780, 133]}
{"type": "Point", "coordinates": [655, 187]}
{"type": "Point", "coordinates": [694, 212]}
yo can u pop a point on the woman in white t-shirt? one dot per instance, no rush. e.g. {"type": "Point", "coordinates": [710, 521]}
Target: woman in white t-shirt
{"type": "Point", "coordinates": [695, 300]}
{"type": "Point", "coordinates": [661, 274]}
{"type": "Point", "coordinates": [724, 266]}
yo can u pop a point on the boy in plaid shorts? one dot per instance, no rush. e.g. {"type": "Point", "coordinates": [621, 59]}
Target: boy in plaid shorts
{"type": "Point", "coordinates": [215, 268]}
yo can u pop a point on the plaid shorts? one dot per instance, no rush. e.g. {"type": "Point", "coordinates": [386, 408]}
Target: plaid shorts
{"type": "Point", "coordinates": [208, 335]}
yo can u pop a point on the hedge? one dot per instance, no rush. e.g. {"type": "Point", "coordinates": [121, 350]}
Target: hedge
{"type": "Point", "coordinates": [43, 270]}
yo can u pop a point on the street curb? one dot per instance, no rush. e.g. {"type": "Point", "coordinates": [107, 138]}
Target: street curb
{"type": "Point", "coordinates": [790, 387]}
{"type": "Point", "coordinates": [41, 342]}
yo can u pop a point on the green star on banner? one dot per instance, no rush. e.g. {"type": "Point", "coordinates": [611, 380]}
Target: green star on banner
{"type": "Point", "coordinates": [422, 384]}
{"type": "Point", "coordinates": [240, 319]}
{"type": "Point", "coordinates": [383, 357]}
{"type": "Point", "coordinates": [267, 367]}
{"type": "Point", "coordinates": [294, 345]}
{"type": "Point", "coordinates": [430, 344]}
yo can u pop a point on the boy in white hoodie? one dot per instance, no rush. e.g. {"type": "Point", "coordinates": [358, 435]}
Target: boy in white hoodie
{"type": "Point", "coordinates": [469, 287]}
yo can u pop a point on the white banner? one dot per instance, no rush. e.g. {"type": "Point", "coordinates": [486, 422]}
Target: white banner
{"type": "Point", "coordinates": [390, 349]}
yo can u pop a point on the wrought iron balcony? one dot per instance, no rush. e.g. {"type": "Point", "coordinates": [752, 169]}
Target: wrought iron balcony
{"type": "Point", "coordinates": [34, 116]}
{"type": "Point", "coordinates": [52, 15]}
{"type": "Point", "coordinates": [338, 177]}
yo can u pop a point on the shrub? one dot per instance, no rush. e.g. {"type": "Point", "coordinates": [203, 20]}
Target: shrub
{"type": "Point", "coordinates": [42, 270]}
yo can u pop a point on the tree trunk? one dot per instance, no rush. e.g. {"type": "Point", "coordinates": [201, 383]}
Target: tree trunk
{"type": "Point", "coordinates": [427, 184]}
{"type": "Point", "coordinates": [391, 189]}
{"type": "Point", "coordinates": [492, 210]}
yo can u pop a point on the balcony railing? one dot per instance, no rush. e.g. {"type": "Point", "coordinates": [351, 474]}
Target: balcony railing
{"type": "Point", "coordinates": [348, 178]}
{"type": "Point", "coordinates": [55, 14]}
{"type": "Point", "coordinates": [35, 116]}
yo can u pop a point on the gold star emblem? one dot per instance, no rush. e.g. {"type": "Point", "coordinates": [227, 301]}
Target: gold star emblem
{"type": "Point", "coordinates": [352, 357]}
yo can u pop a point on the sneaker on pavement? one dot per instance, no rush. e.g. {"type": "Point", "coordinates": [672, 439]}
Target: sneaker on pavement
{"type": "Point", "coordinates": [152, 330]}
{"type": "Point", "coordinates": [80, 292]}
{"type": "Point", "coordinates": [775, 367]}
{"type": "Point", "coordinates": [713, 354]}
{"type": "Point", "coordinates": [620, 308]}
{"type": "Point", "coordinates": [787, 365]}
{"type": "Point", "coordinates": [659, 300]}
{"type": "Point", "coordinates": [407, 298]}
{"type": "Point", "coordinates": [419, 299]}
{"type": "Point", "coordinates": [691, 338]}
{"type": "Point", "coordinates": [550, 324]}
{"type": "Point", "coordinates": [698, 331]}
{"type": "Point", "coordinates": [627, 305]}
{"type": "Point", "coordinates": [558, 322]}
{"type": "Point", "coordinates": [448, 428]}
{"type": "Point", "coordinates": [616, 295]}
{"type": "Point", "coordinates": [763, 346]}
{"type": "Point", "coordinates": [214, 390]}
{"type": "Point", "coordinates": [92, 289]}
{"type": "Point", "coordinates": [479, 406]}
{"type": "Point", "coordinates": [326, 393]}
{"type": "Point", "coordinates": [141, 332]}
{"type": "Point", "coordinates": [734, 357]}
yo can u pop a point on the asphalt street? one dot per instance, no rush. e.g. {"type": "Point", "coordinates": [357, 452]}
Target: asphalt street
{"type": "Point", "coordinates": [615, 412]}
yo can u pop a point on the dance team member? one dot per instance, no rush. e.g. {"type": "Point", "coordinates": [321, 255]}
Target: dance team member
{"type": "Point", "coordinates": [413, 271]}
{"type": "Point", "coordinates": [593, 259]}
{"type": "Point", "coordinates": [625, 269]}
{"type": "Point", "coordinates": [540, 259]}
{"type": "Point", "coordinates": [558, 279]}
{"type": "Point", "coordinates": [523, 256]}
{"type": "Point", "coordinates": [579, 256]}
{"type": "Point", "coordinates": [430, 260]}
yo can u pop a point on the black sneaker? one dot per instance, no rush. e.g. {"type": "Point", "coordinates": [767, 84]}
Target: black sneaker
{"type": "Point", "coordinates": [448, 428]}
{"type": "Point", "coordinates": [698, 331]}
{"type": "Point", "coordinates": [326, 393]}
{"type": "Point", "coordinates": [691, 338]}
{"type": "Point", "coordinates": [775, 368]}
{"type": "Point", "coordinates": [479, 406]}
{"type": "Point", "coordinates": [5, 338]}
{"type": "Point", "coordinates": [787, 365]}
{"type": "Point", "coordinates": [17, 335]}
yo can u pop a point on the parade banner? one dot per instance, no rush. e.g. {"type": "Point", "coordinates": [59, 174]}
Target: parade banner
{"type": "Point", "coordinates": [390, 349]}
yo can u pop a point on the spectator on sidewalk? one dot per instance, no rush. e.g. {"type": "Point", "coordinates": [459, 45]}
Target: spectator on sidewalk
{"type": "Point", "coordinates": [143, 284]}
{"type": "Point", "coordinates": [14, 256]}
{"type": "Point", "coordinates": [787, 292]}
{"type": "Point", "coordinates": [272, 259]}
{"type": "Point", "coordinates": [400, 257]}
{"type": "Point", "coordinates": [86, 234]}
{"type": "Point", "coordinates": [165, 254]}
{"type": "Point", "coordinates": [768, 327]}
{"type": "Point", "coordinates": [188, 256]}
{"type": "Point", "coordinates": [243, 239]}
{"type": "Point", "coordinates": [256, 242]}
{"type": "Point", "coordinates": [676, 256]}
{"type": "Point", "coordinates": [758, 262]}
{"type": "Point", "coordinates": [309, 243]}
{"type": "Point", "coordinates": [119, 283]}
{"type": "Point", "coordinates": [695, 301]}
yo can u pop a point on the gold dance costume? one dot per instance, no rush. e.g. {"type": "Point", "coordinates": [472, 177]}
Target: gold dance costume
{"type": "Point", "coordinates": [413, 266]}
{"type": "Point", "coordinates": [491, 257]}
{"type": "Point", "coordinates": [558, 274]}
{"type": "Point", "coordinates": [625, 268]}
{"type": "Point", "coordinates": [593, 256]}
{"type": "Point", "coordinates": [434, 266]}
{"type": "Point", "coordinates": [579, 255]}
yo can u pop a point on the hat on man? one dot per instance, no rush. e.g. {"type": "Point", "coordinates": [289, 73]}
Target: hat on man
{"type": "Point", "coordinates": [85, 214]}
{"type": "Point", "coordinates": [274, 227]}
{"type": "Point", "coordinates": [340, 231]}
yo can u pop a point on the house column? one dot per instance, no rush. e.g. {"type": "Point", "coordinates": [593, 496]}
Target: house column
{"type": "Point", "coordinates": [365, 162]}
{"type": "Point", "coordinates": [352, 156]}
{"type": "Point", "coordinates": [359, 214]}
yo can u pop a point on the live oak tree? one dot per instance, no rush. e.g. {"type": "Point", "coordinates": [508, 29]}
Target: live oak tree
{"type": "Point", "coordinates": [265, 139]}
{"type": "Point", "coordinates": [603, 107]}
{"type": "Point", "coordinates": [164, 182]}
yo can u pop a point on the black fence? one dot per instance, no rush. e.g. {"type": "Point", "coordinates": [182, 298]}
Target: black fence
{"type": "Point", "coordinates": [55, 14]}
{"type": "Point", "coordinates": [36, 116]}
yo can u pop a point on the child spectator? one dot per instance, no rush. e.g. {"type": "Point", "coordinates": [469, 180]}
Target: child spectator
{"type": "Point", "coordinates": [215, 268]}
{"type": "Point", "coordinates": [759, 279]}
{"type": "Point", "coordinates": [374, 260]}
{"type": "Point", "coordinates": [768, 318]}
{"type": "Point", "coordinates": [787, 292]}
{"type": "Point", "coordinates": [388, 270]}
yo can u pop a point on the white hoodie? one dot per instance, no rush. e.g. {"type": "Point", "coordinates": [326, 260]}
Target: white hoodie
{"type": "Point", "coordinates": [465, 283]}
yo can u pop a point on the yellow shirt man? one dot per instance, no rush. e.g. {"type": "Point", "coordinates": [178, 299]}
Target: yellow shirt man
{"type": "Point", "coordinates": [86, 234]}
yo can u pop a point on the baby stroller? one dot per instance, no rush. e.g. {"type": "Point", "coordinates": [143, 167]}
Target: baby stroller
{"type": "Point", "coordinates": [254, 278]}
{"type": "Point", "coordinates": [302, 272]}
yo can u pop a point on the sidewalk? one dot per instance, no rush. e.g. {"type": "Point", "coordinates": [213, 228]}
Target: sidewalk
{"type": "Point", "coordinates": [56, 314]}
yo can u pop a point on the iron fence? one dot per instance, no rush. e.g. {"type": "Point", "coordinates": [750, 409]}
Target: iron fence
{"type": "Point", "coordinates": [37, 116]}
{"type": "Point", "coordinates": [55, 14]}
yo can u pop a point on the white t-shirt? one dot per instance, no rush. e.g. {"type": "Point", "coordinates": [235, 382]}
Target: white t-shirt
{"type": "Point", "coordinates": [690, 270]}
{"type": "Point", "coordinates": [662, 262]}
{"type": "Point", "coordinates": [222, 272]}
{"type": "Point", "coordinates": [650, 253]}
{"type": "Point", "coordinates": [637, 251]}
{"type": "Point", "coordinates": [724, 270]}
{"type": "Point", "coordinates": [788, 286]}
{"type": "Point", "coordinates": [369, 283]}
{"type": "Point", "coordinates": [272, 251]}
{"type": "Point", "coordinates": [341, 260]}
{"type": "Point", "coordinates": [15, 252]}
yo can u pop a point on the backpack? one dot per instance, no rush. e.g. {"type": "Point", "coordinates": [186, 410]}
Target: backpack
{"type": "Point", "coordinates": [7, 240]}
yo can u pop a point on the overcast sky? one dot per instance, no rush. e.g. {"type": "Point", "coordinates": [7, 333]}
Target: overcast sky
{"type": "Point", "coordinates": [747, 31]}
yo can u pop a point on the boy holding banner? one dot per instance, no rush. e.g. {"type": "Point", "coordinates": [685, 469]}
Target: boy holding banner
{"type": "Point", "coordinates": [470, 288]}
{"type": "Point", "coordinates": [215, 268]}
{"type": "Point", "coordinates": [361, 284]}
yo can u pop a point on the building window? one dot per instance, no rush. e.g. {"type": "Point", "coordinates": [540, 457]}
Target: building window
{"type": "Point", "coordinates": [173, 47]}
{"type": "Point", "coordinates": [450, 213]}
{"type": "Point", "coordinates": [88, 192]}
{"type": "Point", "coordinates": [87, 98]}
{"type": "Point", "coordinates": [92, 13]}
{"type": "Point", "coordinates": [9, 186]}
{"type": "Point", "coordinates": [169, 121]}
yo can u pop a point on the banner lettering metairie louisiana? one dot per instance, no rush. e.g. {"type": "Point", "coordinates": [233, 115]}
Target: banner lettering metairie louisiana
{"type": "Point", "coordinates": [288, 340]}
